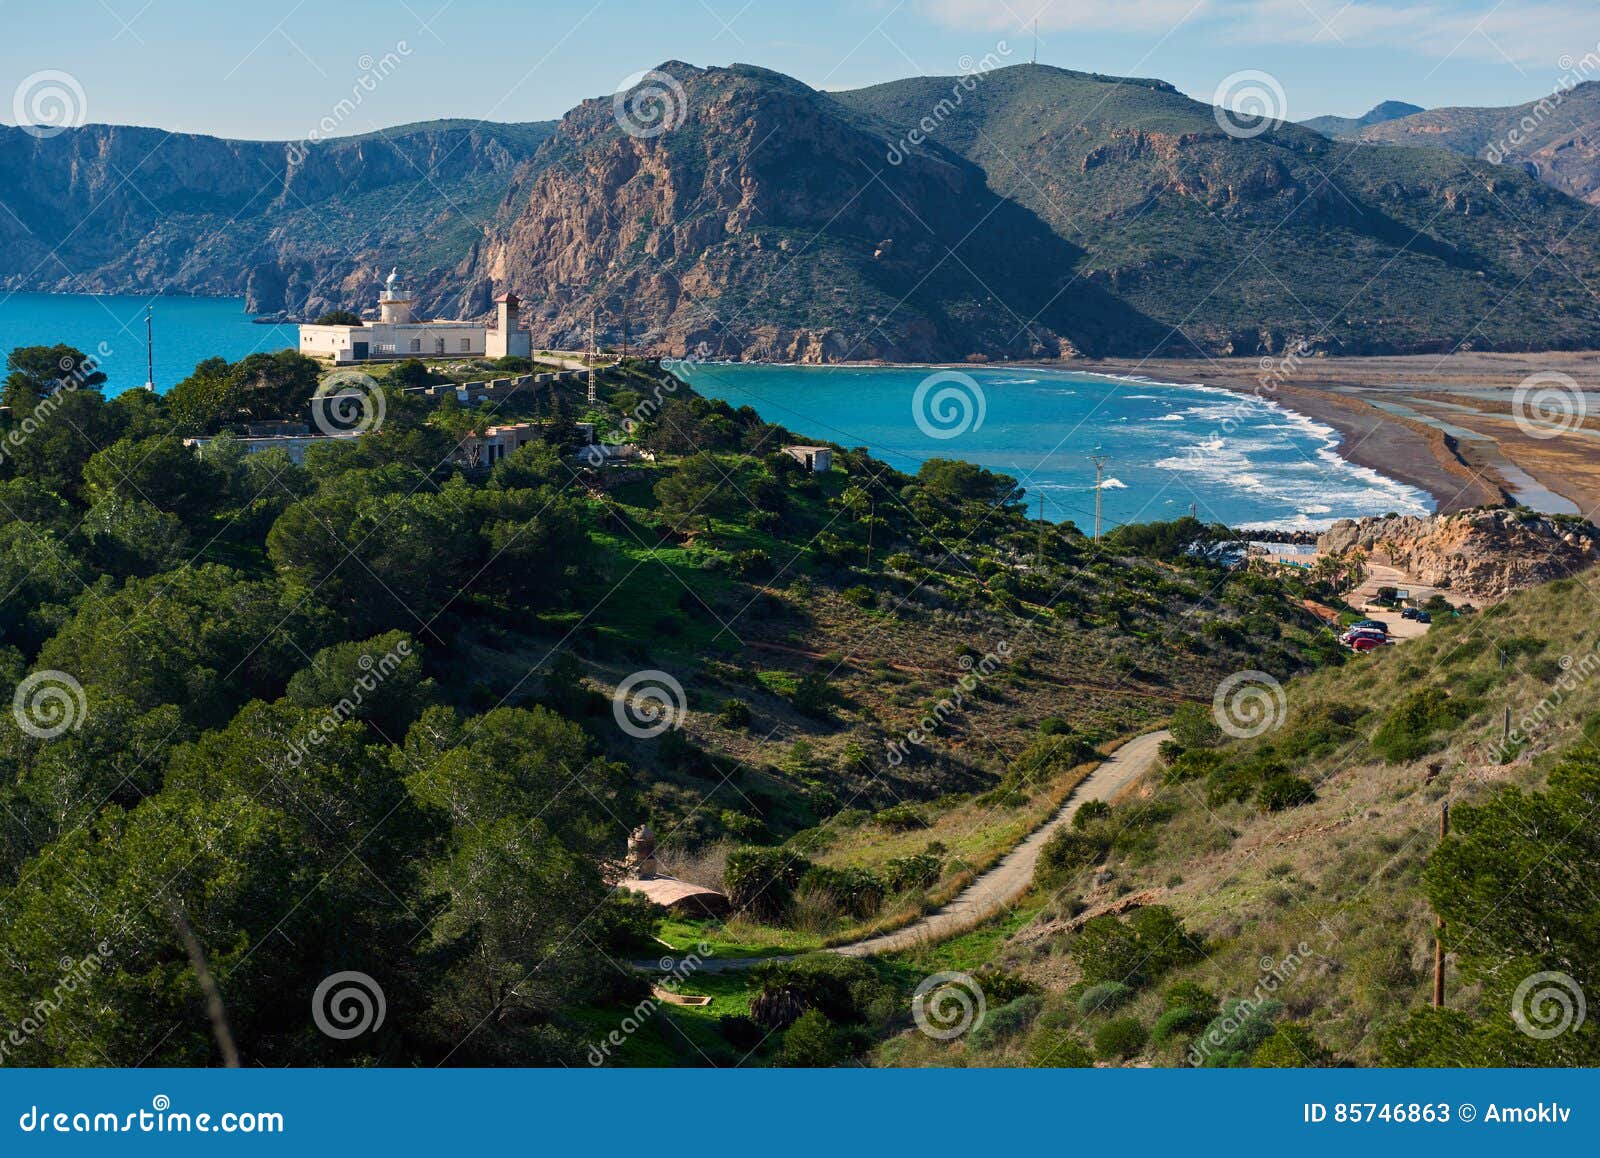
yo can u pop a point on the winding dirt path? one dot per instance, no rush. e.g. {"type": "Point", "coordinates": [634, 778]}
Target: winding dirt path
{"type": "Point", "coordinates": [1007, 880]}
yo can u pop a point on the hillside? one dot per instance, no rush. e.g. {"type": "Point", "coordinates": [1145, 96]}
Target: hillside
{"type": "Point", "coordinates": [765, 223]}
{"type": "Point", "coordinates": [1244, 245]}
{"type": "Point", "coordinates": [373, 712]}
{"type": "Point", "coordinates": [107, 208]}
{"type": "Point", "coordinates": [1350, 126]}
{"type": "Point", "coordinates": [1319, 905]}
{"type": "Point", "coordinates": [1555, 138]}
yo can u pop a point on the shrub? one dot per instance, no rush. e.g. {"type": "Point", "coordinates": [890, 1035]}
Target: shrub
{"type": "Point", "coordinates": [1059, 1049]}
{"type": "Point", "coordinates": [844, 989]}
{"type": "Point", "coordinates": [762, 880]}
{"type": "Point", "coordinates": [1090, 811]}
{"type": "Point", "coordinates": [1000, 987]}
{"type": "Point", "coordinates": [1233, 1035]}
{"type": "Point", "coordinates": [900, 818]}
{"type": "Point", "coordinates": [1191, 994]}
{"type": "Point", "coordinates": [1104, 997]}
{"type": "Point", "coordinates": [734, 714]}
{"type": "Point", "coordinates": [1284, 791]}
{"type": "Point", "coordinates": [919, 871]}
{"type": "Point", "coordinates": [1005, 1022]}
{"type": "Point", "coordinates": [812, 695]}
{"type": "Point", "coordinates": [741, 1032]}
{"type": "Point", "coordinates": [1179, 1022]}
{"type": "Point", "coordinates": [1119, 1038]}
{"type": "Point", "coordinates": [857, 891]}
{"type": "Point", "coordinates": [1291, 1046]}
{"type": "Point", "coordinates": [1407, 733]}
{"type": "Point", "coordinates": [811, 1042]}
{"type": "Point", "coordinates": [1067, 851]}
{"type": "Point", "coordinates": [1145, 945]}
{"type": "Point", "coordinates": [860, 596]}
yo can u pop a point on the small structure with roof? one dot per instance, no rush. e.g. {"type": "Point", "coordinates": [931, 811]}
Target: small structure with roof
{"type": "Point", "coordinates": [670, 893]}
{"type": "Point", "coordinates": [813, 458]}
{"type": "Point", "coordinates": [397, 334]}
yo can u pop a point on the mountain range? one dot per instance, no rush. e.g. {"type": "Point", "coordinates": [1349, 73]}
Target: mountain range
{"type": "Point", "coordinates": [1555, 138]}
{"type": "Point", "coordinates": [1026, 211]}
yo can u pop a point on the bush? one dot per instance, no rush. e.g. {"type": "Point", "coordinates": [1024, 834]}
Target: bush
{"type": "Point", "coordinates": [762, 881]}
{"type": "Point", "coordinates": [1000, 987]}
{"type": "Point", "coordinates": [1180, 1022]}
{"type": "Point", "coordinates": [919, 871]}
{"type": "Point", "coordinates": [811, 1042]}
{"type": "Point", "coordinates": [1058, 1049]}
{"type": "Point", "coordinates": [1119, 1039]}
{"type": "Point", "coordinates": [857, 891]}
{"type": "Point", "coordinates": [1291, 1046]}
{"type": "Point", "coordinates": [1191, 994]}
{"type": "Point", "coordinates": [1284, 791]}
{"type": "Point", "coordinates": [1407, 733]}
{"type": "Point", "coordinates": [1089, 812]}
{"type": "Point", "coordinates": [1235, 1033]}
{"type": "Point", "coordinates": [741, 1032]}
{"type": "Point", "coordinates": [1104, 997]}
{"type": "Point", "coordinates": [1005, 1022]}
{"type": "Point", "coordinates": [1067, 851]}
{"type": "Point", "coordinates": [1145, 945]}
{"type": "Point", "coordinates": [734, 714]}
{"type": "Point", "coordinates": [900, 818]}
{"type": "Point", "coordinates": [843, 989]}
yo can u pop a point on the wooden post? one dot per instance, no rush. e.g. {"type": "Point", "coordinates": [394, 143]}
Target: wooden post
{"type": "Point", "coordinates": [1438, 936]}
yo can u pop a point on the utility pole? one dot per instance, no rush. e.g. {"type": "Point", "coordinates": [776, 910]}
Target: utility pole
{"type": "Point", "coordinates": [1041, 528]}
{"type": "Point", "coordinates": [1099, 461]}
{"type": "Point", "coordinates": [149, 350]}
{"type": "Point", "coordinates": [1438, 934]}
{"type": "Point", "coordinates": [872, 520]}
{"type": "Point", "coordinates": [594, 355]}
{"type": "Point", "coordinates": [1035, 59]}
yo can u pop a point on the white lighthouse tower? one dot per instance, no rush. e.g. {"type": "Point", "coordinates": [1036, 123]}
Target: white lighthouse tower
{"type": "Point", "coordinates": [394, 304]}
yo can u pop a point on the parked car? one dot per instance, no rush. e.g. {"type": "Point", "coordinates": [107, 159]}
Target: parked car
{"type": "Point", "coordinates": [1372, 625]}
{"type": "Point", "coordinates": [1424, 617]}
{"type": "Point", "coordinates": [1366, 643]}
{"type": "Point", "coordinates": [1411, 613]}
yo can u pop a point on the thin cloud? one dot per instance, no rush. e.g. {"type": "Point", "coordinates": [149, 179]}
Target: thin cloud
{"type": "Point", "coordinates": [1539, 34]}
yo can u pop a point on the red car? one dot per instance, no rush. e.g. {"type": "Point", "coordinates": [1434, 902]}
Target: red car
{"type": "Point", "coordinates": [1365, 643]}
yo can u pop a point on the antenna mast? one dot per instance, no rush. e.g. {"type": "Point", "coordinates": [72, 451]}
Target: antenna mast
{"type": "Point", "coordinates": [1035, 59]}
{"type": "Point", "coordinates": [149, 350]}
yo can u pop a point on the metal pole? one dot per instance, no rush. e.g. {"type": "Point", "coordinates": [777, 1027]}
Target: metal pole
{"type": "Point", "coordinates": [149, 350]}
{"type": "Point", "coordinates": [1099, 473]}
{"type": "Point", "coordinates": [1438, 938]}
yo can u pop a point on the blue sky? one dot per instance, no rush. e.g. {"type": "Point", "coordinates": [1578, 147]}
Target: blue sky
{"type": "Point", "coordinates": [275, 68]}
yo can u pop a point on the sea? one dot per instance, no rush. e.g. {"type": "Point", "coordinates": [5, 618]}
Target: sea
{"type": "Point", "coordinates": [1166, 448]}
{"type": "Point", "coordinates": [111, 327]}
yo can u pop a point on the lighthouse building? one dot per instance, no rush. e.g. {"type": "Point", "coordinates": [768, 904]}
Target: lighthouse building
{"type": "Point", "coordinates": [396, 334]}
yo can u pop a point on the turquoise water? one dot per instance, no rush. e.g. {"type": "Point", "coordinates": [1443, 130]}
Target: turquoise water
{"type": "Point", "coordinates": [111, 326]}
{"type": "Point", "coordinates": [1238, 460]}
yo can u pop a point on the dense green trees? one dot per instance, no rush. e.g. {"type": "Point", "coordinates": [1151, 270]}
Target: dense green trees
{"type": "Point", "coordinates": [257, 749]}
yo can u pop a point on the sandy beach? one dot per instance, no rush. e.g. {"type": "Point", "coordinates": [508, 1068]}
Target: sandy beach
{"type": "Point", "coordinates": [1444, 424]}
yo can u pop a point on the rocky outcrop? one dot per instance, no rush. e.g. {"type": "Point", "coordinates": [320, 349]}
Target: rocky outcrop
{"type": "Point", "coordinates": [1483, 553]}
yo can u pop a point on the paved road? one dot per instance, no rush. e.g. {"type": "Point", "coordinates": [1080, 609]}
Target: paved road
{"type": "Point", "coordinates": [1008, 879]}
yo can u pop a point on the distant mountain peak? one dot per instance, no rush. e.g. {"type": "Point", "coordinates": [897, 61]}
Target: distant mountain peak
{"type": "Point", "coordinates": [1350, 126]}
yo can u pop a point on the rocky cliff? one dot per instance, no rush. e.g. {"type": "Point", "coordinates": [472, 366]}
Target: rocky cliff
{"type": "Point", "coordinates": [1483, 553]}
{"type": "Point", "coordinates": [759, 218]}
